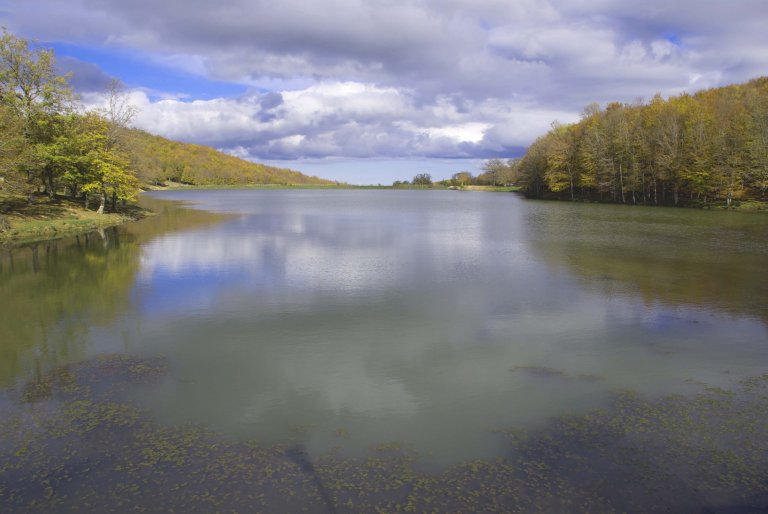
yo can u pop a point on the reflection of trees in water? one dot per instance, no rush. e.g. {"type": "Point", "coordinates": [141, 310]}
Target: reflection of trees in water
{"type": "Point", "coordinates": [55, 291]}
{"type": "Point", "coordinates": [58, 289]}
{"type": "Point", "coordinates": [696, 259]}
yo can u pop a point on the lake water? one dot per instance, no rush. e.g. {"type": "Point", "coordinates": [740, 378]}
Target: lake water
{"type": "Point", "coordinates": [346, 319]}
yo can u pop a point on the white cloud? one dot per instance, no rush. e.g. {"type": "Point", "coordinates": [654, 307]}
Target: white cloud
{"type": "Point", "coordinates": [341, 119]}
{"type": "Point", "coordinates": [412, 78]}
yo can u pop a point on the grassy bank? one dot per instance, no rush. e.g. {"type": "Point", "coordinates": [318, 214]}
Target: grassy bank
{"type": "Point", "coordinates": [24, 222]}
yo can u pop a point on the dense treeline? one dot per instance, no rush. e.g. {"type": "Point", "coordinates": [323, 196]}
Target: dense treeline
{"type": "Point", "coordinates": [690, 149]}
{"type": "Point", "coordinates": [51, 144]}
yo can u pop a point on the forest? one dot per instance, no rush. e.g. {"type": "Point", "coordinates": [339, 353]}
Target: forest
{"type": "Point", "coordinates": [709, 148]}
{"type": "Point", "coordinates": [50, 144]}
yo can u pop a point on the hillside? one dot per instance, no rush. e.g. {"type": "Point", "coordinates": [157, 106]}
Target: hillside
{"type": "Point", "coordinates": [51, 144]}
{"type": "Point", "coordinates": [157, 160]}
{"type": "Point", "coordinates": [703, 149]}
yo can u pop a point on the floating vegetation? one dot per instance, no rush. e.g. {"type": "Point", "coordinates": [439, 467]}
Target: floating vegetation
{"type": "Point", "coordinates": [102, 372]}
{"type": "Point", "coordinates": [543, 371]}
{"type": "Point", "coordinates": [90, 450]}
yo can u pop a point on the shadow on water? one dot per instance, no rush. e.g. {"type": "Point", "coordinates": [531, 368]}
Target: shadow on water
{"type": "Point", "coordinates": [298, 454]}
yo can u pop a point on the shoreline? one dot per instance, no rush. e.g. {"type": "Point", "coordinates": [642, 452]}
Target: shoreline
{"type": "Point", "coordinates": [175, 186]}
{"type": "Point", "coordinates": [47, 220]}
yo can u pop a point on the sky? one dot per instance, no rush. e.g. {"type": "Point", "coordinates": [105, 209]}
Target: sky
{"type": "Point", "coordinates": [372, 91]}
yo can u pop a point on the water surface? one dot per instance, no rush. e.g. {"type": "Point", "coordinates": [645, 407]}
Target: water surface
{"type": "Point", "coordinates": [347, 319]}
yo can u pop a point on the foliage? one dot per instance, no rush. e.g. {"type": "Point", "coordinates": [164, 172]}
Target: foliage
{"type": "Point", "coordinates": [498, 172]}
{"type": "Point", "coordinates": [48, 143]}
{"type": "Point", "coordinates": [422, 179]}
{"type": "Point", "coordinates": [709, 147]}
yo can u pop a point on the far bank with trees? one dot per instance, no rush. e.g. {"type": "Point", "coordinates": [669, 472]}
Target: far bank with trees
{"type": "Point", "coordinates": [706, 149]}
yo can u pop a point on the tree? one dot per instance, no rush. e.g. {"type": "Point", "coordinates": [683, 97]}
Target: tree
{"type": "Point", "coordinates": [422, 179]}
{"type": "Point", "coordinates": [106, 168]}
{"type": "Point", "coordinates": [119, 113]}
{"type": "Point", "coordinates": [461, 178]}
{"type": "Point", "coordinates": [29, 83]}
{"type": "Point", "coordinates": [756, 102]}
{"type": "Point", "coordinates": [562, 166]}
{"type": "Point", "coordinates": [12, 150]}
{"type": "Point", "coordinates": [494, 171]}
{"type": "Point", "coordinates": [498, 172]}
{"type": "Point", "coordinates": [532, 168]}
{"type": "Point", "coordinates": [31, 88]}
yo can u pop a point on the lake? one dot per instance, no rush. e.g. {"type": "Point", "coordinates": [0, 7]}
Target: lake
{"type": "Point", "coordinates": [342, 321]}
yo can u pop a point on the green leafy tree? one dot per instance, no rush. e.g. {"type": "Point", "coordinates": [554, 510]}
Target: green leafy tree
{"type": "Point", "coordinates": [32, 89]}
{"type": "Point", "coordinates": [12, 151]}
{"type": "Point", "coordinates": [106, 169]}
{"type": "Point", "coordinates": [562, 155]}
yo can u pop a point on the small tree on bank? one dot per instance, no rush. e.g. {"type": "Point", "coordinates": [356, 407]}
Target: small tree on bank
{"type": "Point", "coordinates": [422, 179]}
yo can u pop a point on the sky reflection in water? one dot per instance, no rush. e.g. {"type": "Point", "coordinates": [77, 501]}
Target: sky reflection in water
{"type": "Point", "coordinates": [355, 318]}
{"type": "Point", "coordinates": [424, 317]}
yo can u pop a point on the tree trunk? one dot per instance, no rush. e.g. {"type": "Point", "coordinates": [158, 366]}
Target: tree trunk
{"type": "Point", "coordinates": [114, 202]}
{"type": "Point", "coordinates": [621, 183]}
{"type": "Point", "coordinates": [102, 201]}
{"type": "Point", "coordinates": [51, 191]}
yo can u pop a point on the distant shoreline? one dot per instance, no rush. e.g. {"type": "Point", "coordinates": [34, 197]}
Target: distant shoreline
{"type": "Point", "coordinates": [175, 186]}
{"type": "Point", "coordinates": [47, 220]}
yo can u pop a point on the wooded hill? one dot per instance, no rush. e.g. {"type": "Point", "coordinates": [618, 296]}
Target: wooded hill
{"type": "Point", "coordinates": [710, 147]}
{"type": "Point", "coordinates": [51, 144]}
{"type": "Point", "coordinates": [158, 160]}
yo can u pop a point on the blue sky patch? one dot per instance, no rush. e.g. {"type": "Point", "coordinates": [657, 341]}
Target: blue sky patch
{"type": "Point", "coordinates": [136, 70]}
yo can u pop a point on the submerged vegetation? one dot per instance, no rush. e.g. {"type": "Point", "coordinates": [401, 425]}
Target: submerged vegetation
{"type": "Point", "coordinates": [710, 148]}
{"type": "Point", "coordinates": [73, 441]}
